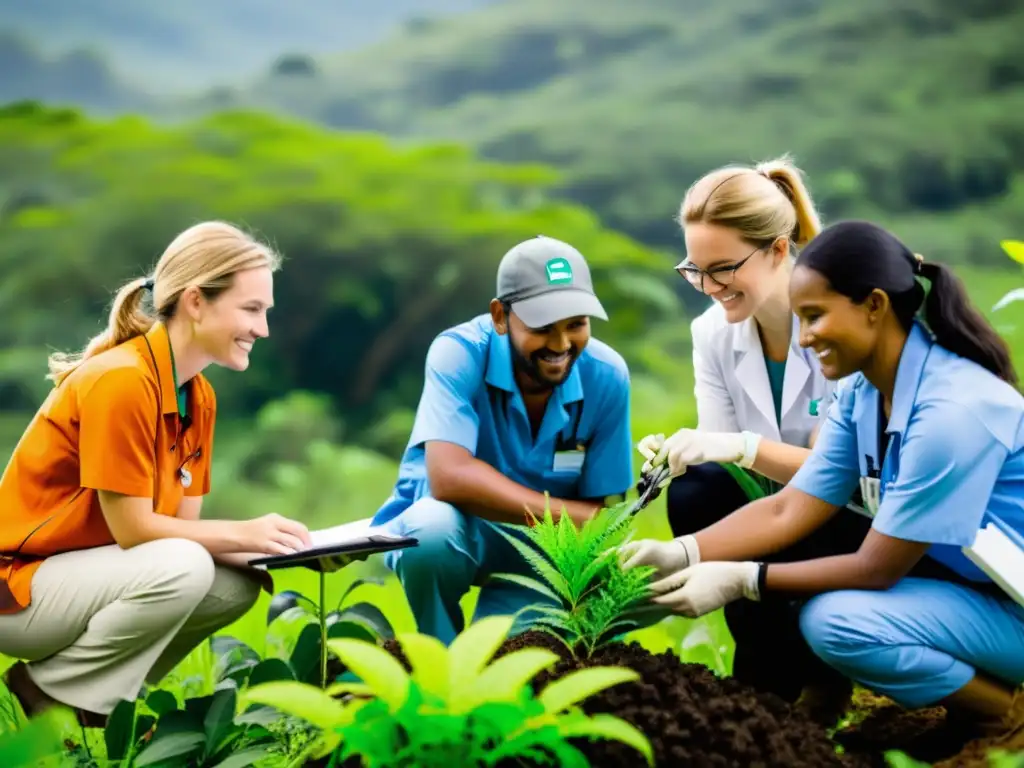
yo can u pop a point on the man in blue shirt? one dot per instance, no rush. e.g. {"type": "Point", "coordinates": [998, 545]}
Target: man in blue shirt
{"type": "Point", "coordinates": [516, 404]}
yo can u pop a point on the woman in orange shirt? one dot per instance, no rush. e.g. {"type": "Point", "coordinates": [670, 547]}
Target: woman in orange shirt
{"type": "Point", "coordinates": [108, 576]}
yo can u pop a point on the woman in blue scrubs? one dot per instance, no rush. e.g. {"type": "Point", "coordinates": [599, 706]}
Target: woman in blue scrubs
{"type": "Point", "coordinates": [930, 427]}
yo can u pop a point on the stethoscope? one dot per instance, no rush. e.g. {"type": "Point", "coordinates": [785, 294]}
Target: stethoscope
{"type": "Point", "coordinates": [184, 475]}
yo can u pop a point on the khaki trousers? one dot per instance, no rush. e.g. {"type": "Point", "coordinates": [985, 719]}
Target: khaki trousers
{"type": "Point", "coordinates": [102, 621]}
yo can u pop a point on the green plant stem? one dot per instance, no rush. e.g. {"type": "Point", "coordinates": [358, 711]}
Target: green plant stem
{"type": "Point", "coordinates": [323, 630]}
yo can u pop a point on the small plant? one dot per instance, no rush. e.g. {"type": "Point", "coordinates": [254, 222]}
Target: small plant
{"type": "Point", "coordinates": [455, 708]}
{"type": "Point", "coordinates": [591, 599]}
{"type": "Point", "coordinates": [205, 732]}
{"type": "Point", "coordinates": [307, 659]}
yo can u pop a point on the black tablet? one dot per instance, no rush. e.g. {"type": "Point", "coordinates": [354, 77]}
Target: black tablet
{"type": "Point", "coordinates": [364, 545]}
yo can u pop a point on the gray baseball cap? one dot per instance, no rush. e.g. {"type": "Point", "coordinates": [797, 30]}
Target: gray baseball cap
{"type": "Point", "coordinates": [545, 281]}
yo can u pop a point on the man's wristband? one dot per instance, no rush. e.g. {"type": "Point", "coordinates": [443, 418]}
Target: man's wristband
{"type": "Point", "coordinates": [762, 579]}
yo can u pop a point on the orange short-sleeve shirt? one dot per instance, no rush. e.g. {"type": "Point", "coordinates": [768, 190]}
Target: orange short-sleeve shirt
{"type": "Point", "coordinates": [113, 424]}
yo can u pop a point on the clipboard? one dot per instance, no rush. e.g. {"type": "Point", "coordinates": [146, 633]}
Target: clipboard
{"type": "Point", "coordinates": [353, 549]}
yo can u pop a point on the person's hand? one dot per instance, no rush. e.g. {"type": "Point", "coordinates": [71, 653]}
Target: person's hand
{"type": "Point", "coordinates": [667, 557]}
{"type": "Point", "coordinates": [274, 535]}
{"type": "Point", "coordinates": [691, 446]}
{"type": "Point", "coordinates": [649, 448]}
{"type": "Point", "coordinates": [706, 587]}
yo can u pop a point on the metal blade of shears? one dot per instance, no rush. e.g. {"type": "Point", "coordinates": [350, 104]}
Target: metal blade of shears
{"type": "Point", "coordinates": [650, 482]}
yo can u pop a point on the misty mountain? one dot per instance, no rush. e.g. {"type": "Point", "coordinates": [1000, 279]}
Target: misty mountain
{"type": "Point", "coordinates": [187, 44]}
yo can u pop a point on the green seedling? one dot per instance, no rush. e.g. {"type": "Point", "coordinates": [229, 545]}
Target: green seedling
{"type": "Point", "coordinates": [586, 599]}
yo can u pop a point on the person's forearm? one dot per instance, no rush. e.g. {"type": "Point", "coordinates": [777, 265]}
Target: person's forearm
{"type": "Point", "coordinates": [760, 528]}
{"type": "Point", "coordinates": [779, 461]}
{"type": "Point", "coordinates": [219, 537]}
{"type": "Point", "coordinates": [824, 574]}
{"type": "Point", "coordinates": [479, 489]}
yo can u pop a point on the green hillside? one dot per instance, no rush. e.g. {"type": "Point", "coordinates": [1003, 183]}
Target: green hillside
{"type": "Point", "coordinates": [908, 111]}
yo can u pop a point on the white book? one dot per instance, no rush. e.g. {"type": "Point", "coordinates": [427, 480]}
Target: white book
{"type": "Point", "coordinates": [999, 552]}
{"type": "Point", "coordinates": [348, 533]}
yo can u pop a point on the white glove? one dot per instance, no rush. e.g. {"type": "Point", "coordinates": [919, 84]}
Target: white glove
{"type": "Point", "coordinates": [666, 556]}
{"type": "Point", "coordinates": [691, 446]}
{"type": "Point", "coordinates": [706, 587]}
{"type": "Point", "coordinates": [649, 448]}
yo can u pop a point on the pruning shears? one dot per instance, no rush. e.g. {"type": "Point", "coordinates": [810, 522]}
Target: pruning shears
{"type": "Point", "coordinates": [648, 487]}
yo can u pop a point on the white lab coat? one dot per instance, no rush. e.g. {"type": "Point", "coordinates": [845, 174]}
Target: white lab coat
{"type": "Point", "coordinates": [732, 388]}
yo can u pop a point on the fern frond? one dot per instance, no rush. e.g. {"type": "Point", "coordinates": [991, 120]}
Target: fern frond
{"type": "Point", "coordinates": [541, 564]}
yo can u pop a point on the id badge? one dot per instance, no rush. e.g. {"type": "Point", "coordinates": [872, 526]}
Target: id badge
{"type": "Point", "coordinates": [871, 492]}
{"type": "Point", "coordinates": [568, 461]}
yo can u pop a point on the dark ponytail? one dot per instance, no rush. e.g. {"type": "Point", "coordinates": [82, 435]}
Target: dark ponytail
{"type": "Point", "coordinates": [857, 257]}
{"type": "Point", "coordinates": [959, 326]}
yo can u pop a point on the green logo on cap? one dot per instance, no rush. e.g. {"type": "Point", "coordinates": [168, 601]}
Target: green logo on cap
{"type": "Point", "coordinates": [558, 271]}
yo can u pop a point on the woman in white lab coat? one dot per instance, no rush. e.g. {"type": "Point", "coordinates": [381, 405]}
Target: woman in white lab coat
{"type": "Point", "coordinates": [760, 398]}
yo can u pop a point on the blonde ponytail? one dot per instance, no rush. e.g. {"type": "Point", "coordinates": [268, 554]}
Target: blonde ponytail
{"type": "Point", "coordinates": [762, 203]}
{"type": "Point", "coordinates": [790, 180]}
{"type": "Point", "coordinates": [127, 320]}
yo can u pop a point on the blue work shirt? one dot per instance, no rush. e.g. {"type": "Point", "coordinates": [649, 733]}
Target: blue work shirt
{"type": "Point", "coordinates": [470, 398]}
{"type": "Point", "coordinates": [955, 458]}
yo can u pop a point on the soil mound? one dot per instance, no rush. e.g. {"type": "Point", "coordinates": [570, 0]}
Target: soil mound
{"type": "Point", "coordinates": [694, 718]}
{"type": "Point", "coordinates": [691, 716]}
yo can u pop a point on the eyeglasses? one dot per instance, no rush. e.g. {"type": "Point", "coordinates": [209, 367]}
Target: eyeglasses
{"type": "Point", "coordinates": [721, 276]}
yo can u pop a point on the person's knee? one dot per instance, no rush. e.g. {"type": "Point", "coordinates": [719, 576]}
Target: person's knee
{"type": "Point", "coordinates": [236, 590]}
{"type": "Point", "coordinates": [440, 530]}
{"type": "Point", "coordinates": [180, 567]}
{"type": "Point", "coordinates": [829, 624]}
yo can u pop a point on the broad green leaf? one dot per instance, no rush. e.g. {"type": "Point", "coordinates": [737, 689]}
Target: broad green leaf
{"type": "Point", "coordinates": [367, 614]}
{"type": "Point", "coordinates": [581, 684]}
{"type": "Point", "coordinates": [1014, 249]}
{"type": "Point", "coordinates": [161, 701]}
{"type": "Point", "coordinates": [287, 602]}
{"type": "Point", "coordinates": [375, 667]}
{"type": "Point", "coordinates": [609, 727]}
{"type": "Point", "coordinates": [505, 678]}
{"type": "Point", "coordinates": [270, 670]}
{"type": "Point", "coordinates": [473, 648]}
{"type": "Point", "coordinates": [219, 716]}
{"type": "Point", "coordinates": [173, 745]}
{"type": "Point", "coordinates": [245, 758]}
{"type": "Point", "coordinates": [299, 700]}
{"type": "Point", "coordinates": [117, 735]}
{"type": "Point", "coordinates": [305, 658]}
{"type": "Point", "coordinates": [428, 658]}
{"type": "Point", "coordinates": [337, 629]}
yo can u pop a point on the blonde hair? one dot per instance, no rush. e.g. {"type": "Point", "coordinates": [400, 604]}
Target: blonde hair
{"type": "Point", "coordinates": [206, 255]}
{"type": "Point", "coordinates": [762, 202]}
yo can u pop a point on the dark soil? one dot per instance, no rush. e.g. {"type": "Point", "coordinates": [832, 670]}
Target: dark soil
{"type": "Point", "coordinates": [691, 717]}
{"type": "Point", "coordinates": [694, 718]}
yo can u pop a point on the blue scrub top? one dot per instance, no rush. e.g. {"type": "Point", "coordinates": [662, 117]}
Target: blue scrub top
{"type": "Point", "coordinates": [955, 458]}
{"type": "Point", "coordinates": [470, 398]}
